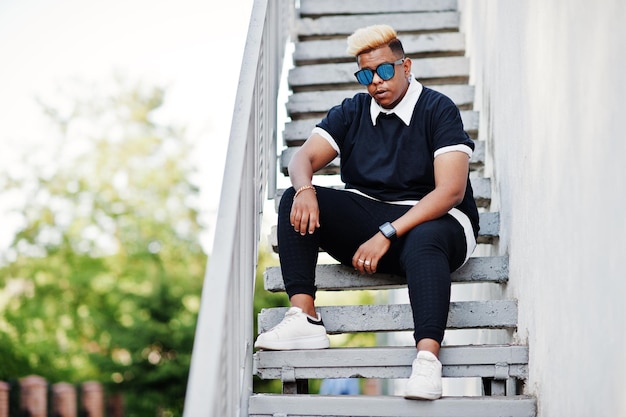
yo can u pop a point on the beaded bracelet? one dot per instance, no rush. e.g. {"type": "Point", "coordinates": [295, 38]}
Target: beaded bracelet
{"type": "Point", "coordinates": [304, 187]}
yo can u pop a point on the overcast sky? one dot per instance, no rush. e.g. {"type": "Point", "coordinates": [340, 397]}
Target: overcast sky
{"type": "Point", "coordinates": [192, 46]}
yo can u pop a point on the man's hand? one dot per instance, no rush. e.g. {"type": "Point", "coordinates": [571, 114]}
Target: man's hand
{"type": "Point", "coordinates": [367, 256]}
{"type": "Point", "coordinates": [305, 214]}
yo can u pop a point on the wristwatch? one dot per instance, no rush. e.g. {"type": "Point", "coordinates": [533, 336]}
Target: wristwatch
{"type": "Point", "coordinates": [388, 231]}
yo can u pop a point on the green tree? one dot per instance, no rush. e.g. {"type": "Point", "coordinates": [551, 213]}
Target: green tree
{"type": "Point", "coordinates": [102, 280]}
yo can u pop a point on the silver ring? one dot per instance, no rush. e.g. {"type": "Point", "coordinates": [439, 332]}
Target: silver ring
{"type": "Point", "coordinates": [361, 260]}
{"type": "Point", "coordinates": [367, 262]}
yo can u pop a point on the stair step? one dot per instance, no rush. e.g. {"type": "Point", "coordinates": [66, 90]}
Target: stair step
{"type": "Point", "coordinates": [485, 361]}
{"type": "Point", "coordinates": [300, 104]}
{"type": "Point", "coordinates": [345, 25]}
{"type": "Point", "coordinates": [489, 228]}
{"type": "Point", "coordinates": [491, 314]}
{"type": "Point", "coordinates": [300, 130]}
{"type": "Point", "coordinates": [341, 75]}
{"type": "Point", "coordinates": [325, 7]}
{"type": "Point", "coordinates": [334, 50]}
{"type": "Point", "coordinates": [333, 277]}
{"type": "Point", "coordinates": [301, 405]}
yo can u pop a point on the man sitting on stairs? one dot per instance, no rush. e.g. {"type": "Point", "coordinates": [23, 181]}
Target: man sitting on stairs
{"type": "Point", "coordinates": [407, 207]}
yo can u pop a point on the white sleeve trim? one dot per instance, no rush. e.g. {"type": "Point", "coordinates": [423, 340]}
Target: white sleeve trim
{"type": "Point", "coordinates": [328, 138]}
{"type": "Point", "coordinates": [452, 148]}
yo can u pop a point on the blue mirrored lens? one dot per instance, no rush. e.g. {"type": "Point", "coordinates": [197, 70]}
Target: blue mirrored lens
{"type": "Point", "coordinates": [364, 76]}
{"type": "Point", "coordinates": [385, 71]}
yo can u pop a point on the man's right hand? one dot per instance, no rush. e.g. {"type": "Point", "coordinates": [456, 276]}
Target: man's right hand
{"type": "Point", "coordinates": [304, 215]}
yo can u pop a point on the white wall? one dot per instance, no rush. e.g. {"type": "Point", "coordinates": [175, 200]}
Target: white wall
{"type": "Point", "coordinates": [551, 85]}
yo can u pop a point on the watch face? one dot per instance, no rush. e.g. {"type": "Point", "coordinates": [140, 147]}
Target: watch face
{"type": "Point", "coordinates": [388, 230]}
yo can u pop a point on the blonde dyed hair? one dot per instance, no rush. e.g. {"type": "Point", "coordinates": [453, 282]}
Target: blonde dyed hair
{"type": "Point", "coordinates": [370, 38]}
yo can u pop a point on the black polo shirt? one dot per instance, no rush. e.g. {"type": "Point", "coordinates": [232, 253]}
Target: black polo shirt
{"type": "Point", "coordinates": [390, 160]}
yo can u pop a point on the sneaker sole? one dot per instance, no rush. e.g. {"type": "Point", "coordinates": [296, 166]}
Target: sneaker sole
{"type": "Point", "coordinates": [423, 396]}
{"type": "Point", "coordinates": [316, 342]}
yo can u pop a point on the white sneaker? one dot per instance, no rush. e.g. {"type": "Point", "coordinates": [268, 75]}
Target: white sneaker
{"type": "Point", "coordinates": [296, 331]}
{"type": "Point", "coordinates": [425, 381]}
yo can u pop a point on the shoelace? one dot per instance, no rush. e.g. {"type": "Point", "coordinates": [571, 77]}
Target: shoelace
{"type": "Point", "coordinates": [289, 316]}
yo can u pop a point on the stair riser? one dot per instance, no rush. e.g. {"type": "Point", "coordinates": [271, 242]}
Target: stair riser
{"type": "Point", "coordinates": [338, 277]}
{"type": "Point", "coordinates": [392, 356]}
{"type": "Point", "coordinates": [324, 7]}
{"type": "Point", "coordinates": [452, 371]}
{"type": "Point", "coordinates": [492, 314]}
{"type": "Point", "coordinates": [376, 406]}
{"type": "Point", "coordinates": [343, 26]}
{"type": "Point", "coordinates": [334, 50]}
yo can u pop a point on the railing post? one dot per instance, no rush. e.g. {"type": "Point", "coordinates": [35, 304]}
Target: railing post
{"type": "Point", "coordinates": [63, 400]}
{"type": "Point", "coordinates": [4, 399]}
{"type": "Point", "coordinates": [33, 401]}
{"type": "Point", "coordinates": [220, 378]}
{"type": "Point", "coordinates": [93, 399]}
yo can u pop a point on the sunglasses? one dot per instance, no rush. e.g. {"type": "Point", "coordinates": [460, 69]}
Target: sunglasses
{"type": "Point", "coordinates": [385, 71]}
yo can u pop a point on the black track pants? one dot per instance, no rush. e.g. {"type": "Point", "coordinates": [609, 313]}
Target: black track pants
{"type": "Point", "coordinates": [425, 256]}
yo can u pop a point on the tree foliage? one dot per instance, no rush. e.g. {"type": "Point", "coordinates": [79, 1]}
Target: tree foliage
{"type": "Point", "coordinates": [102, 279]}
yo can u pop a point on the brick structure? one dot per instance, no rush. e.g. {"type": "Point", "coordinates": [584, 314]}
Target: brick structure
{"type": "Point", "coordinates": [93, 399]}
{"type": "Point", "coordinates": [4, 399]}
{"type": "Point", "coordinates": [64, 400]}
{"type": "Point", "coordinates": [33, 401]}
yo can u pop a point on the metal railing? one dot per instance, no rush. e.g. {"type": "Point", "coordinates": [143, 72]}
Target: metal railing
{"type": "Point", "coordinates": [220, 380]}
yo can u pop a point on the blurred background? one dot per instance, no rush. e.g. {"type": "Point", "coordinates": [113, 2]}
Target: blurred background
{"type": "Point", "coordinates": [62, 51]}
{"type": "Point", "coordinates": [114, 124]}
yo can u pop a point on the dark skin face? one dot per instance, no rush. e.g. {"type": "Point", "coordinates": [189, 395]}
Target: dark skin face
{"type": "Point", "coordinates": [386, 93]}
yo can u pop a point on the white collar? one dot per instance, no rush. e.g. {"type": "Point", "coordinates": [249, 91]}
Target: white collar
{"type": "Point", "coordinates": [404, 109]}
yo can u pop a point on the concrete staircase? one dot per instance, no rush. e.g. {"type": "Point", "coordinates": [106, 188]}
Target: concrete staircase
{"type": "Point", "coordinates": [322, 76]}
